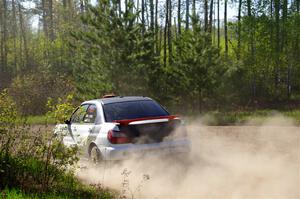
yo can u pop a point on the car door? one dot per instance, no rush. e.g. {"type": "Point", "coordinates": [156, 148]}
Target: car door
{"type": "Point", "coordinates": [82, 123]}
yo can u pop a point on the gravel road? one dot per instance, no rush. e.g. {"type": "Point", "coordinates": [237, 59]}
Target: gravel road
{"type": "Point", "coordinates": [225, 162]}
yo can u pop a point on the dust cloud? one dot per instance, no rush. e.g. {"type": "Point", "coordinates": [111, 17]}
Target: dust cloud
{"type": "Point", "coordinates": [261, 162]}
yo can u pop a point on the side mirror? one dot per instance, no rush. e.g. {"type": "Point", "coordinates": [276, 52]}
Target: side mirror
{"type": "Point", "coordinates": [68, 122]}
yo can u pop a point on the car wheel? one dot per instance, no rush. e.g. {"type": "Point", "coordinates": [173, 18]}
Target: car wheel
{"type": "Point", "coordinates": [95, 155]}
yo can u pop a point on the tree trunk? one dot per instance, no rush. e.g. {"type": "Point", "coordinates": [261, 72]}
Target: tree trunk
{"type": "Point", "coordinates": [160, 39]}
{"type": "Point", "coordinates": [218, 23]}
{"type": "Point", "coordinates": [179, 17]}
{"type": "Point", "coordinates": [152, 16]}
{"type": "Point", "coordinates": [45, 21]}
{"type": "Point", "coordinates": [170, 31]}
{"type": "Point", "coordinates": [271, 30]}
{"type": "Point", "coordinates": [205, 15]}
{"type": "Point", "coordinates": [239, 30]}
{"type": "Point", "coordinates": [165, 32]}
{"type": "Point", "coordinates": [156, 28]}
{"type": "Point", "coordinates": [175, 29]}
{"type": "Point", "coordinates": [126, 5]}
{"type": "Point", "coordinates": [225, 28]}
{"type": "Point", "coordinates": [143, 12]}
{"type": "Point", "coordinates": [288, 85]}
{"type": "Point", "coordinates": [284, 45]}
{"type": "Point", "coordinates": [277, 44]}
{"type": "Point", "coordinates": [136, 9]}
{"type": "Point", "coordinates": [14, 33]}
{"type": "Point", "coordinates": [214, 24]}
{"type": "Point", "coordinates": [194, 8]}
{"type": "Point", "coordinates": [81, 6]}
{"type": "Point", "coordinates": [211, 16]}
{"type": "Point", "coordinates": [187, 14]}
{"type": "Point", "coordinates": [284, 19]}
{"type": "Point", "coordinates": [23, 34]}
{"type": "Point", "coordinates": [2, 75]}
{"type": "Point", "coordinates": [4, 47]}
{"type": "Point", "coordinates": [51, 23]}
{"type": "Point", "coordinates": [251, 42]}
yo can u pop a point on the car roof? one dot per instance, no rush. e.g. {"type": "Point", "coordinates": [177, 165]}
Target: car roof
{"type": "Point", "coordinates": [117, 99]}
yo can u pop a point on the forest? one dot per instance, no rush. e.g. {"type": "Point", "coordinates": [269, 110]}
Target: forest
{"type": "Point", "coordinates": [189, 55]}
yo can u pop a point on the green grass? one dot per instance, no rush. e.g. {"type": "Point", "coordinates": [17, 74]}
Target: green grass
{"type": "Point", "coordinates": [84, 192]}
{"type": "Point", "coordinates": [28, 175]}
{"type": "Point", "coordinates": [36, 119]}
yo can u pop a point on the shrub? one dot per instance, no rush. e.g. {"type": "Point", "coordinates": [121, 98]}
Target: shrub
{"type": "Point", "coordinates": [61, 110]}
{"type": "Point", "coordinates": [28, 156]}
{"type": "Point", "coordinates": [31, 91]}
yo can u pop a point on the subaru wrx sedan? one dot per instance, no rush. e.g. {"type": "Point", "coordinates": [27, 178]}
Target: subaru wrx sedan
{"type": "Point", "coordinates": [115, 128]}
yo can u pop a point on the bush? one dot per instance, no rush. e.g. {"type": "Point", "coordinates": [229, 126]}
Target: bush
{"type": "Point", "coordinates": [28, 156]}
{"type": "Point", "coordinates": [61, 110]}
{"type": "Point", "coordinates": [8, 112]}
{"type": "Point", "coordinates": [34, 163]}
{"type": "Point", "coordinates": [34, 158]}
{"type": "Point", "coordinates": [31, 91]}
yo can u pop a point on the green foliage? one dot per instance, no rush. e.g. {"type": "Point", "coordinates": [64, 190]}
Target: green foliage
{"type": "Point", "coordinates": [36, 119]}
{"type": "Point", "coordinates": [34, 158]}
{"type": "Point", "coordinates": [61, 110]}
{"type": "Point", "coordinates": [79, 191]}
{"type": "Point", "coordinates": [8, 111]}
{"type": "Point", "coordinates": [34, 162]}
{"type": "Point", "coordinates": [119, 54]}
{"type": "Point", "coordinates": [31, 91]}
{"type": "Point", "coordinates": [197, 67]}
{"type": "Point", "coordinates": [114, 49]}
{"type": "Point", "coordinates": [30, 156]}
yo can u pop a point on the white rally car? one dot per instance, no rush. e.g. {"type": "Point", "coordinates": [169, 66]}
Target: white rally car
{"type": "Point", "coordinates": [114, 128]}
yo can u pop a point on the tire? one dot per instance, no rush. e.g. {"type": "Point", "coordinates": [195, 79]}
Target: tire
{"type": "Point", "coordinates": [95, 155]}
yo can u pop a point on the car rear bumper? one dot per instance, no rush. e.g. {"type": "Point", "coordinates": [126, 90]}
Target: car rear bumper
{"type": "Point", "coordinates": [123, 152]}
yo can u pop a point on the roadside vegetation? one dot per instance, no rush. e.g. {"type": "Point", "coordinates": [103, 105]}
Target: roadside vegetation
{"type": "Point", "coordinates": [82, 192]}
{"type": "Point", "coordinates": [34, 163]}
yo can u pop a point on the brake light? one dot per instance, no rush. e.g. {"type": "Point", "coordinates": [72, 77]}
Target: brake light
{"type": "Point", "coordinates": [117, 137]}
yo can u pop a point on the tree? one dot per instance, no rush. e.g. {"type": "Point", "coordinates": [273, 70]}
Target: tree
{"type": "Point", "coordinates": [166, 28]}
{"type": "Point", "coordinates": [130, 46]}
{"type": "Point", "coordinates": [218, 22]}
{"type": "Point", "coordinates": [205, 15]}
{"type": "Point", "coordinates": [196, 67]}
{"type": "Point", "coordinates": [4, 46]}
{"type": "Point", "coordinates": [239, 29]}
{"type": "Point", "coordinates": [187, 14]}
{"type": "Point", "coordinates": [179, 17]}
{"type": "Point", "coordinates": [225, 28]}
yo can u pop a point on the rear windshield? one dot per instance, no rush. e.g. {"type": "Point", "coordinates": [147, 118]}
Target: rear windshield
{"type": "Point", "coordinates": [133, 110]}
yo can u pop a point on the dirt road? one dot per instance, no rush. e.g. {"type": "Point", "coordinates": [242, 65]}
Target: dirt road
{"type": "Point", "coordinates": [225, 162]}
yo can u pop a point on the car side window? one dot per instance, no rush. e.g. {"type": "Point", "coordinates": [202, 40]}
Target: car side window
{"type": "Point", "coordinates": [79, 114]}
{"type": "Point", "coordinates": [91, 114]}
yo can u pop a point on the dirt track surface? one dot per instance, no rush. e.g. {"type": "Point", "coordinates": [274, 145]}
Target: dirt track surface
{"type": "Point", "coordinates": [225, 162]}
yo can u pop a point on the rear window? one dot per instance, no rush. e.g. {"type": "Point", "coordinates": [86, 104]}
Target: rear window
{"type": "Point", "coordinates": [133, 110]}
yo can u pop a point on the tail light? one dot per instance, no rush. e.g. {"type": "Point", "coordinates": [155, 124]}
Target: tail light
{"type": "Point", "coordinates": [117, 137]}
